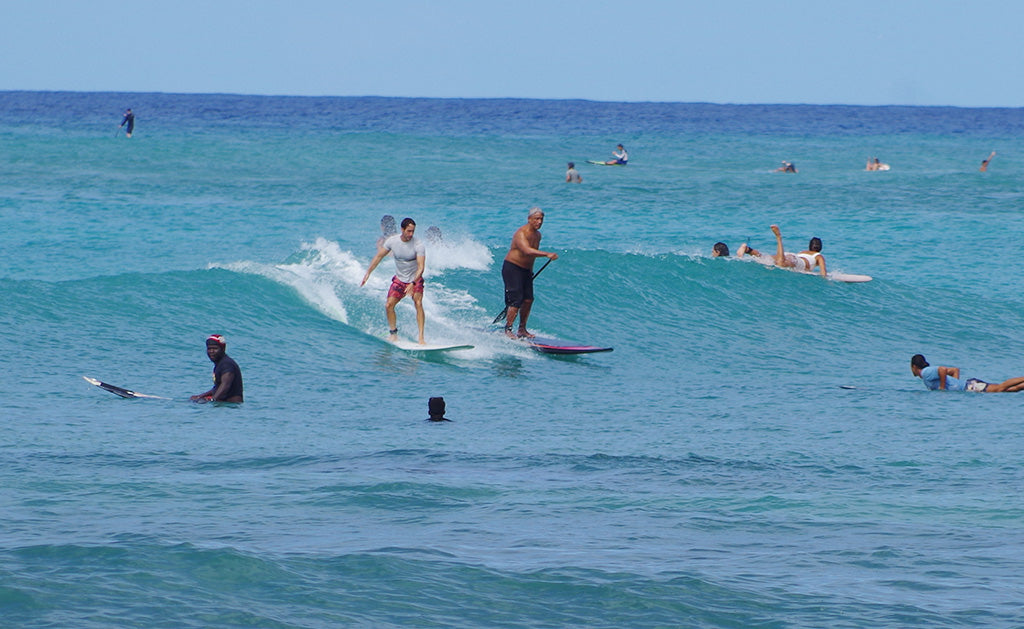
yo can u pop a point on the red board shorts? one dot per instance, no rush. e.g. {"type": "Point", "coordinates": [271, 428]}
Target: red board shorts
{"type": "Point", "coordinates": [398, 287]}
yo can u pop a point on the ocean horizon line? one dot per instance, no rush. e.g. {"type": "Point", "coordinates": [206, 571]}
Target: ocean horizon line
{"type": "Point", "coordinates": [515, 99]}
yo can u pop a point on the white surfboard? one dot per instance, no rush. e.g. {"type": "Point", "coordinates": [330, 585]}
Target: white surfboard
{"type": "Point", "coordinates": [412, 346]}
{"type": "Point", "coordinates": [851, 278]}
{"type": "Point", "coordinates": [121, 391]}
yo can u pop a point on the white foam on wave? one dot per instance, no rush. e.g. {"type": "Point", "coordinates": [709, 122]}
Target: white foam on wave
{"type": "Point", "coordinates": [459, 253]}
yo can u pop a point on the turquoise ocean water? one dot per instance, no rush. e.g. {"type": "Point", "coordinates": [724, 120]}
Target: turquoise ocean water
{"type": "Point", "coordinates": [710, 471]}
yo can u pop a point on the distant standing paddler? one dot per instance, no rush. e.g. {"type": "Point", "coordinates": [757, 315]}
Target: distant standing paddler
{"type": "Point", "coordinates": [517, 272]}
{"type": "Point", "coordinates": [129, 119]}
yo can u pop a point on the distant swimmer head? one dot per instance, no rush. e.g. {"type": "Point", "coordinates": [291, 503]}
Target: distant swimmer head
{"type": "Point", "coordinates": [216, 339]}
{"type": "Point", "coordinates": [815, 244]}
{"type": "Point", "coordinates": [387, 225]}
{"type": "Point", "coordinates": [917, 363]}
{"type": "Point", "coordinates": [436, 407]}
{"type": "Point", "coordinates": [720, 250]}
{"type": "Point", "coordinates": [534, 211]}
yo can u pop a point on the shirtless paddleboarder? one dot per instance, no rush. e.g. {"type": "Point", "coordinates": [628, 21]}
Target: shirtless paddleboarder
{"type": "Point", "coordinates": [517, 272]}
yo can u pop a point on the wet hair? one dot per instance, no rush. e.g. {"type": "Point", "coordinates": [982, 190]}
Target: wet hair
{"type": "Point", "coordinates": [917, 360]}
{"type": "Point", "coordinates": [572, 164]}
{"type": "Point", "coordinates": [815, 244]}
{"type": "Point", "coordinates": [406, 222]}
{"type": "Point", "coordinates": [721, 249]}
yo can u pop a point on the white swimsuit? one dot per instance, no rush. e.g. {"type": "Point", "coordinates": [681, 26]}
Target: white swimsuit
{"type": "Point", "coordinates": [809, 259]}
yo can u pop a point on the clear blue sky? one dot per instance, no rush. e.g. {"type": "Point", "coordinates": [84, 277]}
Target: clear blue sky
{"type": "Point", "coordinates": [915, 52]}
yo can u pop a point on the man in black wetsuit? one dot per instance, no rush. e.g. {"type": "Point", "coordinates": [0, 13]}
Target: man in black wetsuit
{"type": "Point", "coordinates": [129, 119]}
{"type": "Point", "coordinates": [227, 376]}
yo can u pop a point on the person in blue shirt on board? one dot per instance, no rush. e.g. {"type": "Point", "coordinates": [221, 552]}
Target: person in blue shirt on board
{"type": "Point", "coordinates": [939, 378]}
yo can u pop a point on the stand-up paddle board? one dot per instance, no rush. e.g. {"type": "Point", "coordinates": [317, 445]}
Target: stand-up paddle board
{"type": "Point", "coordinates": [125, 393]}
{"type": "Point", "coordinates": [556, 346]}
{"type": "Point", "coordinates": [410, 346]}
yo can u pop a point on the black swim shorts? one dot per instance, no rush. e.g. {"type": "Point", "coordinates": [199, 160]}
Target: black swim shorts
{"type": "Point", "coordinates": [518, 284]}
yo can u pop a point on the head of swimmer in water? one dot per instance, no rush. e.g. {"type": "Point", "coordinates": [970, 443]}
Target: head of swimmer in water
{"type": "Point", "coordinates": [720, 250]}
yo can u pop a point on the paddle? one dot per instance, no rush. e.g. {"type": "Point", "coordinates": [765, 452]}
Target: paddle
{"type": "Point", "coordinates": [505, 311]}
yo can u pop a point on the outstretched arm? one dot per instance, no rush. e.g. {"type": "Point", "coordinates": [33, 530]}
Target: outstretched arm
{"type": "Point", "coordinates": [381, 252]}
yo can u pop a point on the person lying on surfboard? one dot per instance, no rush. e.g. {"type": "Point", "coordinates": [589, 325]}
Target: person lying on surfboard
{"type": "Point", "coordinates": [804, 261]}
{"type": "Point", "coordinates": [227, 376]}
{"type": "Point", "coordinates": [939, 378]}
{"type": "Point", "coordinates": [517, 272]}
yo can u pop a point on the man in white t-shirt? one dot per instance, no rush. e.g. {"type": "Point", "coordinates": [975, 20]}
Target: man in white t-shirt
{"type": "Point", "coordinates": [410, 260]}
